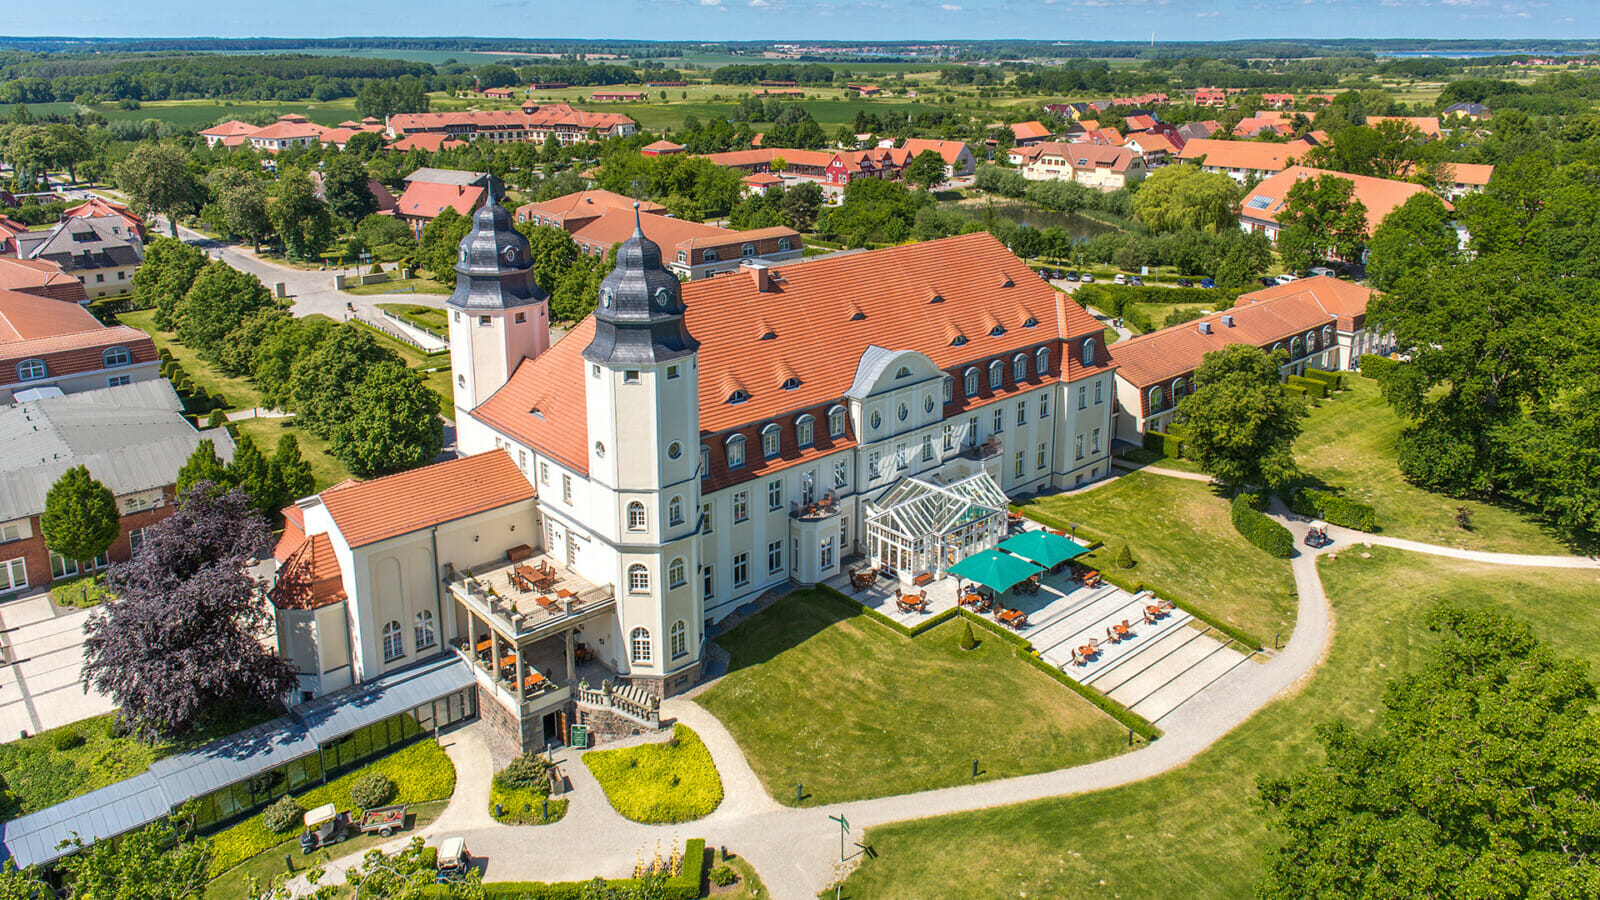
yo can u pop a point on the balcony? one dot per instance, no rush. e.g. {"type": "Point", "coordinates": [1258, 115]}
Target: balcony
{"type": "Point", "coordinates": [820, 509]}
{"type": "Point", "coordinates": [531, 599]}
{"type": "Point", "coordinates": [989, 449]}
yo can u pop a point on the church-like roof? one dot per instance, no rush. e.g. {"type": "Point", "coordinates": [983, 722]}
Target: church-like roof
{"type": "Point", "coordinates": [494, 265]}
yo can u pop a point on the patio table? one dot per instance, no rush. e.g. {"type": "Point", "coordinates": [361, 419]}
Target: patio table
{"type": "Point", "coordinates": [485, 645]}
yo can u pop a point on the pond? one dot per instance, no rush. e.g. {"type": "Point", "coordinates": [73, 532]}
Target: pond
{"type": "Point", "coordinates": [1034, 216]}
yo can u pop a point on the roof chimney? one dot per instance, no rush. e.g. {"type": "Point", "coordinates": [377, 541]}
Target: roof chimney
{"type": "Point", "coordinates": [1227, 321]}
{"type": "Point", "coordinates": [1205, 327]}
{"type": "Point", "coordinates": [761, 271]}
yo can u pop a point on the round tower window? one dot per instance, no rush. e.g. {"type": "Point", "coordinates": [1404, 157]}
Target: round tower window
{"type": "Point", "coordinates": [674, 450]}
{"type": "Point", "coordinates": [599, 449]}
{"type": "Point", "coordinates": [663, 297]}
{"type": "Point", "coordinates": [605, 297]}
{"type": "Point", "coordinates": [511, 256]}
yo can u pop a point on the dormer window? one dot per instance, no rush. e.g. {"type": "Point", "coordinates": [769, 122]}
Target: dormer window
{"type": "Point", "coordinates": [790, 384]}
{"type": "Point", "coordinates": [960, 340]}
{"type": "Point", "coordinates": [1041, 361]}
{"type": "Point", "coordinates": [804, 430]}
{"type": "Point", "coordinates": [115, 356]}
{"type": "Point", "coordinates": [747, 251]}
{"type": "Point", "coordinates": [32, 370]}
{"type": "Point", "coordinates": [1030, 322]}
{"type": "Point", "coordinates": [784, 245]}
{"type": "Point", "coordinates": [1088, 351]}
{"type": "Point", "coordinates": [739, 396]}
{"type": "Point", "coordinates": [905, 372]}
{"type": "Point", "coordinates": [736, 451]}
{"type": "Point", "coordinates": [969, 381]}
{"type": "Point", "coordinates": [1019, 367]}
{"type": "Point", "coordinates": [769, 441]}
{"type": "Point", "coordinates": [710, 255]}
{"type": "Point", "coordinates": [996, 375]}
{"type": "Point", "coordinates": [836, 422]}
{"type": "Point", "coordinates": [997, 331]}
{"type": "Point", "coordinates": [683, 256]}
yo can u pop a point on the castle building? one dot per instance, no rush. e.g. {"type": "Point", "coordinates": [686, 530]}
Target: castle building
{"type": "Point", "coordinates": [682, 451]}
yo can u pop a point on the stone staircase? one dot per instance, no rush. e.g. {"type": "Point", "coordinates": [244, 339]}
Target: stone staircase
{"type": "Point", "coordinates": [1154, 671]}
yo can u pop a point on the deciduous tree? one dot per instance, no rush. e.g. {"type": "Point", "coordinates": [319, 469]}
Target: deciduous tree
{"type": "Point", "coordinates": [202, 465]}
{"type": "Point", "coordinates": [345, 186]}
{"type": "Point", "coordinates": [300, 219]}
{"type": "Point", "coordinates": [1413, 238]}
{"type": "Point", "coordinates": [219, 300]}
{"type": "Point", "coordinates": [290, 473]}
{"type": "Point", "coordinates": [1331, 221]}
{"type": "Point", "coordinates": [156, 178]}
{"type": "Point", "coordinates": [80, 519]}
{"type": "Point", "coordinates": [325, 380]}
{"type": "Point", "coordinates": [155, 862]}
{"type": "Point", "coordinates": [1176, 198]}
{"type": "Point", "coordinates": [168, 271]}
{"type": "Point", "coordinates": [925, 170]}
{"type": "Point", "coordinates": [1239, 424]}
{"type": "Point", "coordinates": [393, 423]}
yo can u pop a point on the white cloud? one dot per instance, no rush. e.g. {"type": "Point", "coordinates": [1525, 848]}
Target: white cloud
{"type": "Point", "coordinates": [710, 2]}
{"type": "Point", "coordinates": [950, 7]}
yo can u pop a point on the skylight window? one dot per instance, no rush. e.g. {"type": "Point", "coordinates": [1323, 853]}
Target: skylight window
{"type": "Point", "coordinates": [1259, 201]}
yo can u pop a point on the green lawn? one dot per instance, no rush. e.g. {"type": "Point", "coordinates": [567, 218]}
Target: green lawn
{"type": "Point", "coordinates": [82, 592]}
{"type": "Point", "coordinates": [240, 393]}
{"type": "Point", "coordinates": [824, 696]}
{"type": "Point", "coordinates": [1198, 832]}
{"type": "Point", "coordinates": [1349, 443]}
{"type": "Point", "coordinates": [428, 317]}
{"type": "Point", "coordinates": [1183, 546]}
{"type": "Point", "coordinates": [402, 286]}
{"type": "Point", "coordinates": [671, 781]}
{"type": "Point", "coordinates": [325, 469]}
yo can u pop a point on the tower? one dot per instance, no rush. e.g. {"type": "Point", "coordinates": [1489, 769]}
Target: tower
{"type": "Point", "coordinates": [641, 390]}
{"type": "Point", "coordinates": [498, 313]}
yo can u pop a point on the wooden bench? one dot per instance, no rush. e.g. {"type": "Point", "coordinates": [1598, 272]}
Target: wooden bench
{"type": "Point", "coordinates": [923, 580]}
{"type": "Point", "coordinates": [519, 553]}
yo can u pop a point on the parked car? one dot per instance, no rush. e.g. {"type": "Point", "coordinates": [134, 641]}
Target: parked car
{"type": "Point", "coordinates": [325, 826]}
{"type": "Point", "coordinates": [1121, 278]}
{"type": "Point", "coordinates": [1087, 278]}
{"type": "Point", "coordinates": [454, 860]}
{"type": "Point", "coordinates": [1045, 274]}
{"type": "Point", "coordinates": [1185, 282]}
{"type": "Point", "coordinates": [1072, 275]}
{"type": "Point", "coordinates": [1207, 283]}
{"type": "Point", "coordinates": [1285, 278]}
{"type": "Point", "coordinates": [1136, 281]}
{"type": "Point", "coordinates": [1322, 271]}
{"type": "Point", "coordinates": [1317, 534]}
{"type": "Point", "coordinates": [1268, 281]}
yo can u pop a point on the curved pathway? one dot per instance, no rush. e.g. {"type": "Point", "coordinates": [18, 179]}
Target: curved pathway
{"type": "Point", "coordinates": [796, 851]}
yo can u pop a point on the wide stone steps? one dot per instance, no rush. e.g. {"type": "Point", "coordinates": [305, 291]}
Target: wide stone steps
{"type": "Point", "coordinates": [1170, 696]}
{"type": "Point", "coordinates": [1155, 648]}
{"type": "Point", "coordinates": [1089, 619]}
{"type": "Point", "coordinates": [1163, 671]}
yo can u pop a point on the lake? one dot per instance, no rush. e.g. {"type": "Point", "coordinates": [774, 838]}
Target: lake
{"type": "Point", "coordinates": [1034, 216]}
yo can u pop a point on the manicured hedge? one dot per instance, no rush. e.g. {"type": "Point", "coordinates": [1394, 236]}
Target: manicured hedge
{"type": "Point", "coordinates": [1297, 390]}
{"type": "Point", "coordinates": [1168, 445]}
{"type": "Point", "coordinates": [1333, 508]}
{"type": "Point", "coordinates": [1334, 380]}
{"type": "Point", "coordinates": [1372, 365]}
{"type": "Point", "coordinates": [1260, 530]}
{"type": "Point", "coordinates": [1115, 299]}
{"type": "Point", "coordinates": [420, 772]}
{"type": "Point", "coordinates": [683, 886]}
{"type": "Point", "coordinates": [1313, 387]}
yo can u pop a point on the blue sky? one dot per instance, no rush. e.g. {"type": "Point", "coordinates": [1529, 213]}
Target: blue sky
{"type": "Point", "coordinates": [817, 19]}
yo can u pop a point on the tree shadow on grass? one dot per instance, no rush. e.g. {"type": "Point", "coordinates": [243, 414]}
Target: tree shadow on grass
{"type": "Point", "coordinates": [786, 624]}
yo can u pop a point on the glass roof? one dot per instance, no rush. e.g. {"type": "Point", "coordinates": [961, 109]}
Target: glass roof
{"type": "Point", "coordinates": [916, 507]}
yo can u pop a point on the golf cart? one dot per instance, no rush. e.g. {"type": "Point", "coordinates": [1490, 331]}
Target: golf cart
{"type": "Point", "coordinates": [454, 860]}
{"type": "Point", "coordinates": [325, 825]}
{"type": "Point", "coordinates": [1317, 534]}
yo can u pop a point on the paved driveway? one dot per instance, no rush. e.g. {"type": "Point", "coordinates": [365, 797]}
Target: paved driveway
{"type": "Point", "coordinates": [40, 686]}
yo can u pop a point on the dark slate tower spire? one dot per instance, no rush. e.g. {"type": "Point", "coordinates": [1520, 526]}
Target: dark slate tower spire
{"type": "Point", "coordinates": [639, 315]}
{"type": "Point", "coordinates": [494, 266]}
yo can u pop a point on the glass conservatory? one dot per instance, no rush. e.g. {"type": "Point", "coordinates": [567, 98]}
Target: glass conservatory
{"type": "Point", "coordinates": [923, 526]}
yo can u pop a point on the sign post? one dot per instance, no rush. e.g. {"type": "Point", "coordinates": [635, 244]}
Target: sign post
{"type": "Point", "coordinates": [580, 736]}
{"type": "Point", "coordinates": [844, 829]}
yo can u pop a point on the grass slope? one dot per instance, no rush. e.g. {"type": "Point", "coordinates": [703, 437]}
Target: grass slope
{"type": "Point", "coordinates": [1198, 832]}
{"type": "Point", "coordinates": [240, 393]}
{"type": "Point", "coordinates": [1184, 547]}
{"type": "Point", "coordinates": [325, 469]}
{"type": "Point", "coordinates": [672, 781]}
{"type": "Point", "coordinates": [1349, 443]}
{"type": "Point", "coordinates": [823, 696]}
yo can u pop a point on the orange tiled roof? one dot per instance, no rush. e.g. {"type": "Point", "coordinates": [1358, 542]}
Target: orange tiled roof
{"type": "Point", "coordinates": [230, 128]}
{"type": "Point", "coordinates": [1379, 195]}
{"type": "Point", "coordinates": [818, 338]}
{"type": "Point", "coordinates": [426, 199]}
{"type": "Point", "coordinates": [26, 317]}
{"type": "Point", "coordinates": [309, 577]}
{"type": "Point", "coordinates": [431, 142]}
{"type": "Point", "coordinates": [371, 511]}
{"type": "Point", "coordinates": [584, 203]}
{"type": "Point", "coordinates": [1467, 173]}
{"type": "Point", "coordinates": [1262, 319]}
{"type": "Point", "coordinates": [1244, 154]}
{"type": "Point", "coordinates": [950, 151]}
{"type": "Point", "coordinates": [39, 277]}
{"type": "Point", "coordinates": [1428, 125]}
{"type": "Point", "coordinates": [1028, 131]}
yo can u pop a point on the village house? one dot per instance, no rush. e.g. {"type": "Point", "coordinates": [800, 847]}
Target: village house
{"type": "Point", "coordinates": [1319, 323]}
{"type": "Point", "coordinates": [957, 156]}
{"type": "Point", "coordinates": [1428, 125]}
{"type": "Point", "coordinates": [532, 123]}
{"type": "Point", "coordinates": [291, 130]}
{"type": "Point", "coordinates": [1381, 196]}
{"type": "Point", "coordinates": [101, 251]}
{"type": "Point", "coordinates": [1032, 132]}
{"type": "Point", "coordinates": [50, 345]}
{"type": "Point", "coordinates": [1459, 179]}
{"type": "Point", "coordinates": [1210, 97]}
{"type": "Point", "coordinates": [1103, 168]}
{"type": "Point", "coordinates": [661, 148]}
{"type": "Point", "coordinates": [430, 191]}
{"type": "Point", "coordinates": [42, 278]}
{"type": "Point", "coordinates": [1267, 120]}
{"type": "Point", "coordinates": [1476, 112]}
{"type": "Point", "coordinates": [133, 438]}
{"type": "Point", "coordinates": [617, 96]}
{"type": "Point", "coordinates": [1278, 101]}
{"type": "Point", "coordinates": [1241, 160]}
{"type": "Point", "coordinates": [1156, 148]}
{"type": "Point", "coordinates": [100, 206]}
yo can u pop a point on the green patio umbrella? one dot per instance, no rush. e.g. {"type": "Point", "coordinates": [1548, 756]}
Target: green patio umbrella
{"type": "Point", "coordinates": [993, 569]}
{"type": "Point", "coordinates": [1043, 548]}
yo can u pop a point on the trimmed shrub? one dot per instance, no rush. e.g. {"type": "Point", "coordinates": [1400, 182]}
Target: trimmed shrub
{"type": "Point", "coordinates": [1124, 558]}
{"type": "Point", "coordinates": [1298, 390]}
{"type": "Point", "coordinates": [1373, 365]}
{"type": "Point", "coordinates": [1258, 500]}
{"type": "Point", "coordinates": [282, 817]}
{"type": "Point", "coordinates": [722, 876]}
{"type": "Point", "coordinates": [218, 419]}
{"type": "Point", "coordinates": [1333, 508]}
{"type": "Point", "coordinates": [1334, 380]}
{"type": "Point", "coordinates": [1260, 530]}
{"type": "Point", "coordinates": [969, 641]}
{"type": "Point", "coordinates": [163, 354]}
{"type": "Point", "coordinates": [530, 771]}
{"type": "Point", "coordinates": [1165, 444]}
{"type": "Point", "coordinates": [219, 401]}
{"type": "Point", "coordinates": [371, 790]}
{"type": "Point", "coordinates": [1312, 386]}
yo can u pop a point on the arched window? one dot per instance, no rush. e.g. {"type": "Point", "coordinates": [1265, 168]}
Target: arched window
{"type": "Point", "coordinates": [393, 646]}
{"type": "Point", "coordinates": [1041, 361]}
{"type": "Point", "coordinates": [904, 372]}
{"type": "Point", "coordinates": [710, 255]}
{"type": "Point", "coordinates": [784, 245]}
{"type": "Point", "coordinates": [675, 511]}
{"type": "Point", "coordinates": [424, 630]}
{"type": "Point", "coordinates": [679, 639]}
{"type": "Point", "coordinates": [639, 644]}
{"type": "Point", "coordinates": [969, 381]}
{"type": "Point", "coordinates": [836, 422]}
{"type": "Point", "coordinates": [1088, 351]}
{"type": "Point", "coordinates": [675, 573]}
{"type": "Point", "coordinates": [638, 579]}
{"type": "Point", "coordinates": [747, 251]}
{"type": "Point", "coordinates": [32, 370]}
{"type": "Point", "coordinates": [769, 441]}
{"type": "Point", "coordinates": [1019, 367]}
{"type": "Point", "coordinates": [739, 396]}
{"type": "Point", "coordinates": [1311, 341]}
{"type": "Point", "coordinates": [1177, 389]}
{"type": "Point", "coordinates": [1327, 336]}
{"type": "Point", "coordinates": [736, 451]}
{"type": "Point", "coordinates": [635, 516]}
{"type": "Point", "coordinates": [997, 374]}
{"type": "Point", "coordinates": [805, 430]}
{"type": "Point", "coordinates": [115, 356]}
{"type": "Point", "coordinates": [1155, 399]}
{"type": "Point", "coordinates": [1294, 349]}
